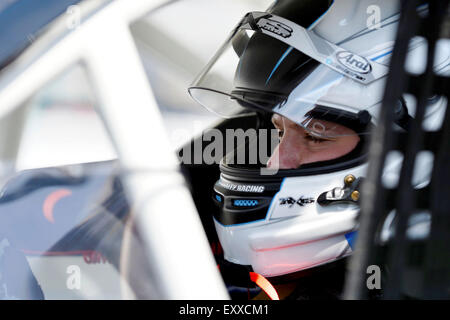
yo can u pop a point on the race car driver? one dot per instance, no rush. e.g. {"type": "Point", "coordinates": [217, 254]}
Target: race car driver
{"type": "Point", "coordinates": [319, 69]}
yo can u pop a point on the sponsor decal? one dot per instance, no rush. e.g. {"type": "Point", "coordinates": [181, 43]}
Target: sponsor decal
{"type": "Point", "coordinates": [289, 201]}
{"type": "Point", "coordinates": [275, 27]}
{"type": "Point", "coordinates": [354, 62]}
{"type": "Point", "coordinates": [242, 187]}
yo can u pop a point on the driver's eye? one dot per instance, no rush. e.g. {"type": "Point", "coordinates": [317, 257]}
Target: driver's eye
{"type": "Point", "coordinates": [280, 134]}
{"type": "Point", "coordinates": [314, 139]}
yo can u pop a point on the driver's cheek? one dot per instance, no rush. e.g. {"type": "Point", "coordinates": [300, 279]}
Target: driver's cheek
{"type": "Point", "coordinates": [289, 154]}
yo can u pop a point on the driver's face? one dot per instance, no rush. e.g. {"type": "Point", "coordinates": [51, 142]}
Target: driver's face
{"type": "Point", "coordinates": [297, 146]}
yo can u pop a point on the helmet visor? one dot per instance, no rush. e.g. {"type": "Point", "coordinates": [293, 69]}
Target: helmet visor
{"type": "Point", "coordinates": [260, 70]}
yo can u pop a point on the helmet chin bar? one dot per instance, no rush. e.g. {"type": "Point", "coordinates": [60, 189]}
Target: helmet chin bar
{"type": "Point", "coordinates": [279, 227]}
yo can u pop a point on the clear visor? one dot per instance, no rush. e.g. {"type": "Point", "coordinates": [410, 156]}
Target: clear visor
{"type": "Point", "coordinates": [258, 70]}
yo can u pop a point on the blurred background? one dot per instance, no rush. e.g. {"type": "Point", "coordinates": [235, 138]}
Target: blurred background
{"type": "Point", "coordinates": [175, 42]}
{"type": "Point", "coordinates": [63, 130]}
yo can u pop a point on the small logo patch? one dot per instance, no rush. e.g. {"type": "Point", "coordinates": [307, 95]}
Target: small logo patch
{"type": "Point", "coordinates": [275, 27]}
{"type": "Point", "coordinates": [354, 62]}
{"type": "Point", "coordinates": [289, 201]}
